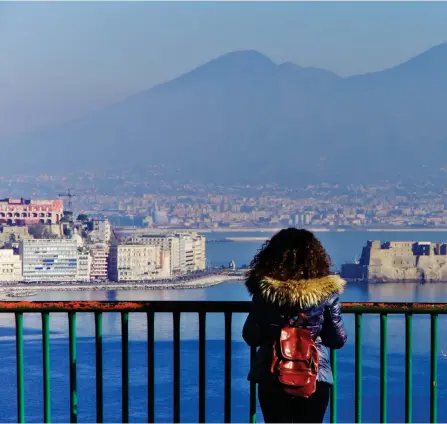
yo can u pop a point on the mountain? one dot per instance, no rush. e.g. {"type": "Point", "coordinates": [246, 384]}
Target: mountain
{"type": "Point", "coordinates": [243, 118]}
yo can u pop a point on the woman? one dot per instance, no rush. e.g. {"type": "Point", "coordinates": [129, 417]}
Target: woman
{"type": "Point", "coordinates": [291, 276]}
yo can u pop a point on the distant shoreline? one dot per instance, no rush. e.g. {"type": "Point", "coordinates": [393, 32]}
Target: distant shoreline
{"type": "Point", "coordinates": [237, 239]}
{"type": "Point", "coordinates": [248, 238]}
{"type": "Point", "coordinates": [317, 230]}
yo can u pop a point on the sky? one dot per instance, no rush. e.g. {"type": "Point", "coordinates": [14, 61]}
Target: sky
{"type": "Point", "coordinates": [60, 60]}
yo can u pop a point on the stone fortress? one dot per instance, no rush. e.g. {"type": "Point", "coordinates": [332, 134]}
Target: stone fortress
{"type": "Point", "coordinates": [394, 261]}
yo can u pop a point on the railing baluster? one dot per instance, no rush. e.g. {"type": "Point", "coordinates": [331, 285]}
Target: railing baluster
{"type": "Point", "coordinates": [408, 368]}
{"type": "Point", "coordinates": [46, 367]}
{"type": "Point", "coordinates": [176, 318]}
{"type": "Point", "coordinates": [434, 369]}
{"type": "Point", "coordinates": [98, 355]}
{"type": "Point", "coordinates": [202, 367]}
{"type": "Point", "coordinates": [227, 404]}
{"type": "Point", "coordinates": [333, 412]}
{"type": "Point", "coordinates": [358, 368]}
{"type": "Point", "coordinates": [384, 310]}
{"type": "Point", "coordinates": [150, 368]}
{"type": "Point", "coordinates": [252, 389]}
{"type": "Point", "coordinates": [20, 368]}
{"type": "Point", "coordinates": [73, 393]}
{"type": "Point", "coordinates": [383, 367]}
{"type": "Point", "coordinates": [125, 366]}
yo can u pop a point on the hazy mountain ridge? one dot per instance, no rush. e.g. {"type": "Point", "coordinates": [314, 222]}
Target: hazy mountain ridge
{"type": "Point", "coordinates": [241, 117]}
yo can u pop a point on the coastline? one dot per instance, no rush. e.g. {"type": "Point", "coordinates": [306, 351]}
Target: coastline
{"type": "Point", "coordinates": [248, 238]}
{"type": "Point", "coordinates": [316, 230]}
{"type": "Point", "coordinates": [406, 230]}
{"type": "Point", "coordinates": [28, 289]}
{"type": "Point", "coordinates": [237, 239]}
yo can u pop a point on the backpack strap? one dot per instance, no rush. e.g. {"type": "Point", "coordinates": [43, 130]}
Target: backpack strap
{"type": "Point", "coordinates": [300, 319]}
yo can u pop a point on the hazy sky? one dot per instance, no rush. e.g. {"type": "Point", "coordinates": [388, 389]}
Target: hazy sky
{"type": "Point", "coordinates": [60, 60]}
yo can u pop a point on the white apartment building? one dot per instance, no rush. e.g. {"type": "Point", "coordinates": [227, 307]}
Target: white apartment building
{"type": "Point", "coordinates": [102, 230]}
{"type": "Point", "coordinates": [192, 252]}
{"type": "Point", "coordinates": [187, 250]}
{"type": "Point", "coordinates": [83, 266]}
{"type": "Point", "coordinates": [10, 266]}
{"type": "Point", "coordinates": [99, 254]}
{"type": "Point", "coordinates": [168, 243]}
{"type": "Point", "coordinates": [137, 262]}
{"type": "Point", "coordinates": [165, 264]}
{"type": "Point", "coordinates": [49, 260]}
{"type": "Point", "coordinates": [174, 252]}
{"type": "Point", "coordinates": [199, 248]}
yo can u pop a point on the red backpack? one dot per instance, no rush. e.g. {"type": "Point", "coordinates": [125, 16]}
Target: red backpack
{"type": "Point", "coordinates": [295, 359]}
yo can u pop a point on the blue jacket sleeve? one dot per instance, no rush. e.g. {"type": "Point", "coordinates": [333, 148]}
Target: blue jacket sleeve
{"type": "Point", "coordinates": [252, 332]}
{"type": "Point", "coordinates": [261, 325]}
{"type": "Point", "coordinates": [333, 333]}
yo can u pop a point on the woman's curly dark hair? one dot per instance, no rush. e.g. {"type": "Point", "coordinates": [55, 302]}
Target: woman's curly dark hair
{"type": "Point", "coordinates": [291, 254]}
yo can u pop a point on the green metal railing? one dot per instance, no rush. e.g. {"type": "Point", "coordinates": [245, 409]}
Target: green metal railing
{"type": "Point", "coordinates": [202, 308]}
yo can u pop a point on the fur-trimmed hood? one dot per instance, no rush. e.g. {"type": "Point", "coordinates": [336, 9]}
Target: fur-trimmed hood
{"type": "Point", "coordinates": [301, 293]}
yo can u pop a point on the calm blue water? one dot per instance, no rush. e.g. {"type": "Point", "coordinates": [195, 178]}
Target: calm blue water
{"type": "Point", "coordinates": [341, 246]}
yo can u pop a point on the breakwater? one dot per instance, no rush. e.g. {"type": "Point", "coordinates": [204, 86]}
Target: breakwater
{"type": "Point", "coordinates": [237, 239]}
{"type": "Point", "coordinates": [27, 289]}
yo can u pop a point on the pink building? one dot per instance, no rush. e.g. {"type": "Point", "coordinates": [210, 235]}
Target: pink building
{"type": "Point", "coordinates": [26, 212]}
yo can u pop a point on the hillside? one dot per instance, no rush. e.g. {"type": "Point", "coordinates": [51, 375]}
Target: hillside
{"type": "Point", "coordinates": [243, 118]}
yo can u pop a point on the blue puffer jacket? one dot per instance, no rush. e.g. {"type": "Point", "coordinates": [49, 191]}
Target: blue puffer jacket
{"type": "Point", "coordinates": [274, 300]}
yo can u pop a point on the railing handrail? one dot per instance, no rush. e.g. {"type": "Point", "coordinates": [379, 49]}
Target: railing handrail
{"type": "Point", "coordinates": [19, 308]}
{"type": "Point", "coordinates": [205, 306]}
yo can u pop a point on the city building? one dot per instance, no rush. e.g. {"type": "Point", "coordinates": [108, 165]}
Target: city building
{"type": "Point", "coordinates": [83, 265]}
{"type": "Point", "coordinates": [148, 221]}
{"type": "Point", "coordinates": [187, 250]}
{"type": "Point", "coordinates": [163, 241]}
{"type": "Point", "coordinates": [26, 212]}
{"type": "Point", "coordinates": [10, 266]}
{"type": "Point", "coordinates": [138, 262]}
{"type": "Point", "coordinates": [174, 252]}
{"type": "Point", "coordinates": [160, 216]}
{"type": "Point", "coordinates": [49, 260]}
{"type": "Point", "coordinates": [99, 263]}
{"type": "Point", "coordinates": [192, 252]}
{"type": "Point", "coordinates": [199, 248]}
{"type": "Point", "coordinates": [306, 219]}
{"type": "Point", "coordinates": [186, 253]}
{"type": "Point", "coordinates": [102, 230]}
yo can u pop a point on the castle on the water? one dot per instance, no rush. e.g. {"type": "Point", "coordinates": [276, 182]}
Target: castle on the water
{"type": "Point", "coordinates": [399, 261]}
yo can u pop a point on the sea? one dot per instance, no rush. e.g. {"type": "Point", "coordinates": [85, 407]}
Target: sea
{"type": "Point", "coordinates": [342, 247]}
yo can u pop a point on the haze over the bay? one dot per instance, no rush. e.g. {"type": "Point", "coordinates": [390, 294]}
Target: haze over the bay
{"type": "Point", "coordinates": [266, 88]}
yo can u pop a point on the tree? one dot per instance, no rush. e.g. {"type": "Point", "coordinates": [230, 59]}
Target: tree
{"type": "Point", "coordinates": [37, 230]}
{"type": "Point", "coordinates": [83, 217]}
{"type": "Point", "coordinates": [68, 232]}
{"type": "Point", "coordinates": [68, 216]}
{"type": "Point", "coordinates": [40, 231]}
